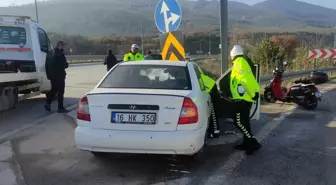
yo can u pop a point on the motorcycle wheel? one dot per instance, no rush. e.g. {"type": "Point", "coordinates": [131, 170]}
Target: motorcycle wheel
{"type": "Point", "coordinates": [269, 97]}
{"type": "Point", "coordinates": [310, 102]}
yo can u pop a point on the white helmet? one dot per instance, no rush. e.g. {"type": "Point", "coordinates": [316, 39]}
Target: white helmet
{"type": "Point", "coordinates": [135, 46]}
{"type": "Point", "coordinates": [236, 50]}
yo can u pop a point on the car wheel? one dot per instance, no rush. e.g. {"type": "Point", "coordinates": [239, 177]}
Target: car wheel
{"type": "Point", "coordinates": [200, 155]}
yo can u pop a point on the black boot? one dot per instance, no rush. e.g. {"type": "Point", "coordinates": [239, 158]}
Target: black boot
{"type": "Point", "coordinates": [216, 134]}
{"type": "Point", "coordinates": [242, 146]}
{"type": "Point", "coordinates": [252, 146]}
{"type": "Point", "coordinates": [47, 107]}
{"type": "Point", "coordinates": [62, 110]}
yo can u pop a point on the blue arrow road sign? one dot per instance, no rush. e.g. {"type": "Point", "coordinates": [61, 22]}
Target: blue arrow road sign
{"type": "Point", "coordinates": [168, 15]}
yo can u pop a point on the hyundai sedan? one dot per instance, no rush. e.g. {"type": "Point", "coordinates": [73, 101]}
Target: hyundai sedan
{"type": "Point", "coordinates": [147, 107]}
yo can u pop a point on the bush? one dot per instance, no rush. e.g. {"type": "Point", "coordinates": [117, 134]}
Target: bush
{"type": "Point", "coordinates": [265, 55]}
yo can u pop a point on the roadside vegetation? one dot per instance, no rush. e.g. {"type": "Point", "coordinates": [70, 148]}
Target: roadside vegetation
{"type": "Point", "coordinates": [263, 48]}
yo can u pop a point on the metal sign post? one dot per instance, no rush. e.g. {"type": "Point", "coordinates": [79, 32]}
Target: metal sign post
{"type": "Point", "coordinates": [224, 34]}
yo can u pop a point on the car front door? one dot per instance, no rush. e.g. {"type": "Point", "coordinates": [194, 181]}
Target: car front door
{"type": "Point", "coordinates": [205, 95]}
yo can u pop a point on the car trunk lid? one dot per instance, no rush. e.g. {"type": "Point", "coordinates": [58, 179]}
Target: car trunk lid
{"type": "Point", "coordinates": [136, 109]}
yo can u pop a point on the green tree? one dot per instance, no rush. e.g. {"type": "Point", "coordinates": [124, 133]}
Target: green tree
{"type": "Point", "coordinates": [265, 55]}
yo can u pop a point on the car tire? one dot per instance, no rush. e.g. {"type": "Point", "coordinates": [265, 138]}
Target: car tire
{"type": "Point", "coordinates": [200, 155]}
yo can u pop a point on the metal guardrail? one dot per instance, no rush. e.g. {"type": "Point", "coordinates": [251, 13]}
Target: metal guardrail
{"type": "Point", "coordinates": [263, 79]}
{"type": "Point", "coordinates": [101, 57]}
{"type": "Point", "coordinates": [296, 74]}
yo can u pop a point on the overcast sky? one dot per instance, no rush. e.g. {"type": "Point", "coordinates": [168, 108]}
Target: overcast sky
{"type": "Point", "coordinates": [326, 3]}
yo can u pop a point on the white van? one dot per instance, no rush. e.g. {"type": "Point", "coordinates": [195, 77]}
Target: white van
{"type": "Point", "coordinates": [23, 49]}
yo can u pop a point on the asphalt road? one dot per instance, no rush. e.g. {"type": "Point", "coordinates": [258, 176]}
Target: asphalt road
{"type": "Point", "coordinates": [298, 148]}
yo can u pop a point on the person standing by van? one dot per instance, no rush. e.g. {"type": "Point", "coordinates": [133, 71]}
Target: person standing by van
{"type": "Point", "coordinates": [56, 64]}
{"type": "Point", "coordinates": [110, 60]}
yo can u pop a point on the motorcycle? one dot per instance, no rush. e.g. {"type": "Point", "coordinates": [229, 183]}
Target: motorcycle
{"type": "Point", "coordinates": [303, 92]}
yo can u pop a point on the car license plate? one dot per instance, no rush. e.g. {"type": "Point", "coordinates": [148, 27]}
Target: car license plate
{"type": "Point", "coordinates": [133, 118]}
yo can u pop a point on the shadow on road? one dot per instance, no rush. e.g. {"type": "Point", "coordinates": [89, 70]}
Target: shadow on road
{"type": "Point", "coordinates": [58, 161]}
{"type": "Point", "coordinates": [28, 111]}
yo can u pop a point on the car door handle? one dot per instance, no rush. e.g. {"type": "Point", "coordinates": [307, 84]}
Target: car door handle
{"type": "Point", "coordinates": [208, 103]}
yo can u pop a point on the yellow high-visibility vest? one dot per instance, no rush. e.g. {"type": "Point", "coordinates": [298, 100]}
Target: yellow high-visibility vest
{"type": "Point", "coordinates": [243, 84]}
{"type": "Point", "coordinates": [133, 57]}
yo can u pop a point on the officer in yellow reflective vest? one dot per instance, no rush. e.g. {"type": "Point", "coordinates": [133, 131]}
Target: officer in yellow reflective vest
{"type": "Point", "coordinates": [134, 54]}
{"type": "Point", "coordinates": [244, 90]}
{"type": "Point", "coordinates": [211, 88]}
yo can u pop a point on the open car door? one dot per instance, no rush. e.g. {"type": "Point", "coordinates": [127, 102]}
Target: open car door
{"type": "Point", "coordinates": [223, 83]}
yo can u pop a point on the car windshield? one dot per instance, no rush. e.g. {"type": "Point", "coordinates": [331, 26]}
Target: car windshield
{"type": "Point", "coordinates": [12, 35]}
{"type": "Point", "coordinates": [148, 77]}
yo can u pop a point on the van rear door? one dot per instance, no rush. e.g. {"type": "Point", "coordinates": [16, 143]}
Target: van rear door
{"type": "Point", "coordinates": [16, 54]}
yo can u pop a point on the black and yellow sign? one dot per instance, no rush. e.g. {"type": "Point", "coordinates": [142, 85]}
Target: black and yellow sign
{"type": "Point", "coordinates": [171, 47]}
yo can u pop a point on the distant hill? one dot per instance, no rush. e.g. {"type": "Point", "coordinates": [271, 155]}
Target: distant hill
{"type": "Point", "coordinates": [124, 17]}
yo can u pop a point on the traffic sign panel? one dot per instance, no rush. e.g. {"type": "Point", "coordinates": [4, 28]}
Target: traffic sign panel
{"type": "Point", "coordinates": [171, 46]}
{"type": "Point", "coordinates": [322, 53]}
{"type": "Point", "coordinates": [168, 15]}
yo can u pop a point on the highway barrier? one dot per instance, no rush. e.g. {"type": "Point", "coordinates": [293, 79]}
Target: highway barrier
{"type": "Point", "coordinates": [290, 75]}
{"type": "Point", "coordinates": [264, 79]}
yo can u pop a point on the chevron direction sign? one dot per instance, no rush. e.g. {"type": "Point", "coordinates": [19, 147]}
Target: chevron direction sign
{"type": "Point", "coordinates": [171, 47]}
{"type": "Point", "coordinates": [322, 53]}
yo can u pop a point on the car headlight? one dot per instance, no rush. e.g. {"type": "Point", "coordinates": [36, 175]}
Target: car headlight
{"type": "Point", "coordinates": [318, 94]}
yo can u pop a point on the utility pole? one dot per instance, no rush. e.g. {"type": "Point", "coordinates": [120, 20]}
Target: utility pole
{"type": "Point", "coordinates": [36, 9]}
{"type": "Point", "coordinates": [182, 32]}
{"type": "Point", "coordinates": [210, 43]}
{"type": "Point", "coordinates": [224, 34]}
{"type": "Point", "coordinates": [334, 40]}
{"type": "Point", "coordinates": [142, 40]}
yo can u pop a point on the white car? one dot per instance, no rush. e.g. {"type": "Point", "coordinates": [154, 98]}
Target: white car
{"type": "Point", "coordinates": [147, 107]}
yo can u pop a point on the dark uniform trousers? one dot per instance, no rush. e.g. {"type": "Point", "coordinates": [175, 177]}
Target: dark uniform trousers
{"type": "Point", "coordinates": [57, 87]}
{"type": "Point", "coordinates": [215, 111]}
{"type": "Point", "coordinates": [242, 117]}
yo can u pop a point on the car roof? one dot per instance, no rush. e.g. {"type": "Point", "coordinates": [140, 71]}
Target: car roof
{"type": "Point", "coordinates": [156, 62]}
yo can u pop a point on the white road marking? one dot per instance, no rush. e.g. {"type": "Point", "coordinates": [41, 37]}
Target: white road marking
{"type": "Point", "coordinates": [182, 181]}
{"type": "Point", "coordinates": [7, 174]}
{"type": "Point", "coordinates": [236, 158]}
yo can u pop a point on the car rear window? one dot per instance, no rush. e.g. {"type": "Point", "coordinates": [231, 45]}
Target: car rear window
{"type": "Point", "coordinates": [148, 77]}
{"type": "Point", "coordinates": [12, 35]}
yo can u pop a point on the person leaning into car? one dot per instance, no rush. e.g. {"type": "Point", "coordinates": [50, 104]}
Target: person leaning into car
{"type": "Point", "coordinates": [211, 88]}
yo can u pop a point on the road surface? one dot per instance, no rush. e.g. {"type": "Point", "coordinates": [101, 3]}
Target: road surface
{"type": "Point", "coordinates": [299, 147]}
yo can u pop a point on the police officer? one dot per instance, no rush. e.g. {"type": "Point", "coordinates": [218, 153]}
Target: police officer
{"type": "Point", "coordinates": [211, 88]}
{"type": "Point", "coordinates": [245, 90]}
{"type": "Point", "coordinates": [134, 54]}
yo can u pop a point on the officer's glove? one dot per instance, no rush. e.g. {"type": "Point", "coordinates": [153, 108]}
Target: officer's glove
{"type": "Point", "coordinates": [256, 97]}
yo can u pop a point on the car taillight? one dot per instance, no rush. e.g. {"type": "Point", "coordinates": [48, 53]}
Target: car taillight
{"type": "Point", "coordinates": [83, 111]}
{"type": "Point", "coordinates": [189, 112]}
